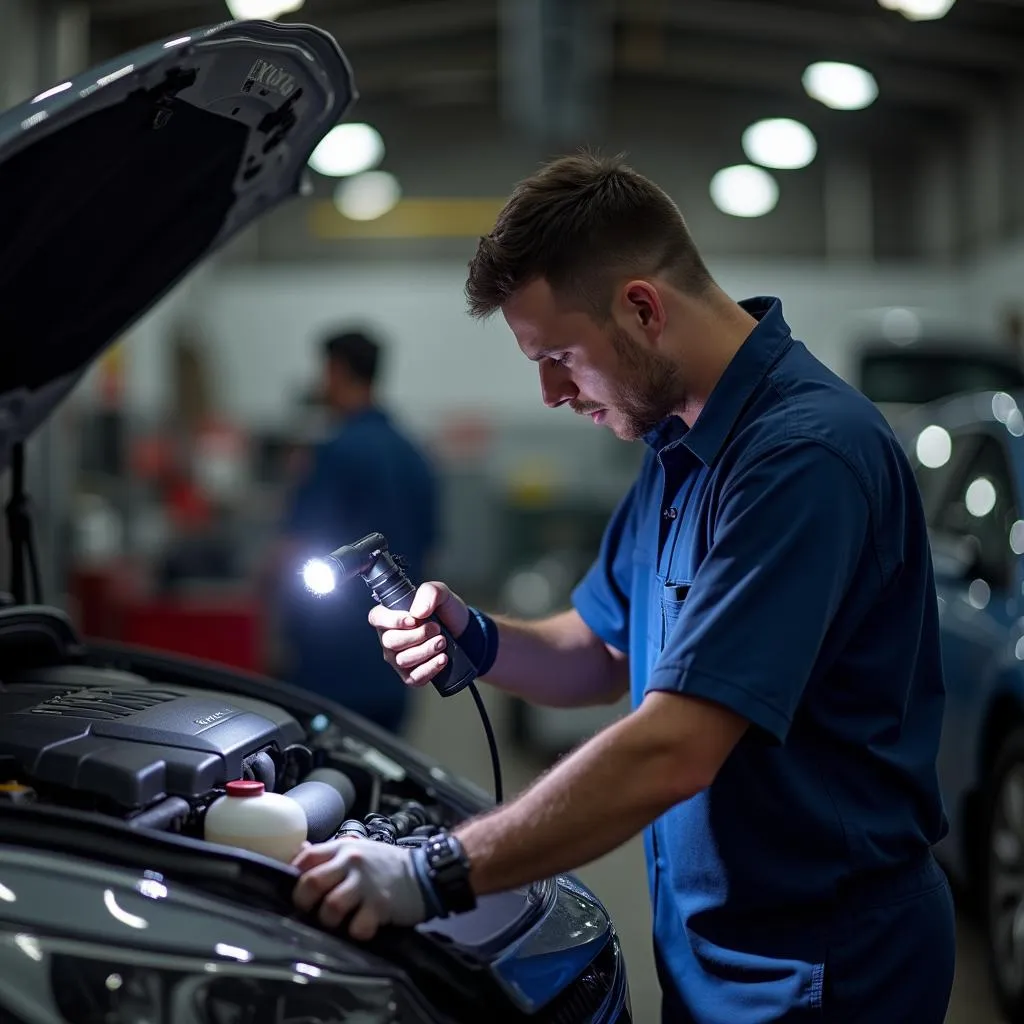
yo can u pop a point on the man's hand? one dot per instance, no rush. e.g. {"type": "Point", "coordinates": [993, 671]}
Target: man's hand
{"type": "Point", "coordinates": [377, 881]}
{"type": "Point", "coordinates": [412, 647]}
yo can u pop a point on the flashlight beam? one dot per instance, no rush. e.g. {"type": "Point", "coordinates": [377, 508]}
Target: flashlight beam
{"type": "Point", "coordinates": [319, 577]}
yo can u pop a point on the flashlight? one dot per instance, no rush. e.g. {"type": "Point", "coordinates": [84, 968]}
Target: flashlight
{"type": "Point", "coordinates": [391, 587]}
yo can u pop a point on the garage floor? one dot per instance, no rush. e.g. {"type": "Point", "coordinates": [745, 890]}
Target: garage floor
{"type": "Point", "coordinates": [450, 731]}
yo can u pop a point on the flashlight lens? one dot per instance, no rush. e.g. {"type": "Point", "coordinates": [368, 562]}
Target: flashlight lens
{"type": "Point", "coordinates": [318, 576]}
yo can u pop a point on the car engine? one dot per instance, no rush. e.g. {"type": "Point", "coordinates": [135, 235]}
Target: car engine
{"type": "Point", "coordinates": [157, 755]}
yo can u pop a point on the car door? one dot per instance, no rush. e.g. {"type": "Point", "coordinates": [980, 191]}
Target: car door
{"type": "Point", "coordinates": [972, 515]}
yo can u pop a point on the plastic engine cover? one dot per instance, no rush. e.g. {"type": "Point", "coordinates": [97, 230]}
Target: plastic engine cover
{"type": "Point", "coordinates": [118, 737]}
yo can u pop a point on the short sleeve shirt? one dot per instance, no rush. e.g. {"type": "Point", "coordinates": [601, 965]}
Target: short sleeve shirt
{"type": "Point", "coordinates": [774, 559]}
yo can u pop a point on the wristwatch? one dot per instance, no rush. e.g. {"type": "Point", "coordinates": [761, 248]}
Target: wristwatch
{"type": "Point", "coordinates": [445, 867]}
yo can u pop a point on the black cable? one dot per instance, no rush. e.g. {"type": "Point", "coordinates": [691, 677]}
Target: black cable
{"type": "Point", "coordinates": [491, 742]}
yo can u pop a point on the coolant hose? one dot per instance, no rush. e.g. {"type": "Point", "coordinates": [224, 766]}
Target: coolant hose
{"type": "Point", "coordinates": [326, 797]}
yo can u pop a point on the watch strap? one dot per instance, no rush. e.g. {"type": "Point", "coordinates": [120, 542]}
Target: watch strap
{"type": "Point", "coordinates": [442, 863]}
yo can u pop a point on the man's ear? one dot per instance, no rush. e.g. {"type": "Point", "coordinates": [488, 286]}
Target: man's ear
{"type": "Point", "coordinates": [642, 308]}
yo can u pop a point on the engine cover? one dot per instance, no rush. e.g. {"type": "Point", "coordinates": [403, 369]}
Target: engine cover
{"type": "Point", "coordinates": [118, 737]}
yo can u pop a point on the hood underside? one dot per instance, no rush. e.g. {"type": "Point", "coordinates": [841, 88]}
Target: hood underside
{"type": "Point", "coordinates": [113, 186]}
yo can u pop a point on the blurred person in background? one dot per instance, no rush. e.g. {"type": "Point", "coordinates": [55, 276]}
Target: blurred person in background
{"type": "Point", "coordinates": [764, 591]}
{"type": "Point", "coordinates": [365, 476]}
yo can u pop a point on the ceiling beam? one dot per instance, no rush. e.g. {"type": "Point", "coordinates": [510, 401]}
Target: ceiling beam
{"type": "Point", "coordinates": [673, 59]}
{"type": "Point", "coordinates": [831, 34]}
{"type": "Point", "coordinates": [834, 33]}
{"type": "Point", "coordinates": [730, 65]}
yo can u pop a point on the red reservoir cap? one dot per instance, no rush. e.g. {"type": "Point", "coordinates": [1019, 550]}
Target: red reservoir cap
{"type": "Point", "coordinates": [244, 787]}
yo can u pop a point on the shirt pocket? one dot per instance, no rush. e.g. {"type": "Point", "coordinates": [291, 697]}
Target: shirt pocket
{"type": "Point", "coordinates": [673, 596]}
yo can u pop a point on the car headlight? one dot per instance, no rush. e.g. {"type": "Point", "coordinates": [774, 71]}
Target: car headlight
{"type": "Point", "coordinates": [51, 980]}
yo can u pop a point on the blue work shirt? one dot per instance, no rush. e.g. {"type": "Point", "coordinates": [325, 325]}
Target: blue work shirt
{"type": "Point", "coordinates": [366, 477]}
{"type": "Point", "coordinates": [774, 559]}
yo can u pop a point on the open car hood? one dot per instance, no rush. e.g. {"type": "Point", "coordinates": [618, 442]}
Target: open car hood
{"type": "Point", "coordinates": [114, 185]}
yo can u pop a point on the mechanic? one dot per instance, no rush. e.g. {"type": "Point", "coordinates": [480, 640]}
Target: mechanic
{"type": "Point", "coordinates": [365, 474]}
{"type": "Point", "coordinates": [765, 587]}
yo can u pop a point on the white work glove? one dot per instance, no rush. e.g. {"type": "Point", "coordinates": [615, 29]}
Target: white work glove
{"type": "Point", "coordinates": [376, 880]}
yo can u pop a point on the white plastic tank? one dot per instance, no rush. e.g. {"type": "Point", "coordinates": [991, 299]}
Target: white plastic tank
{"type": "Point", "coordinates": [250, 818]}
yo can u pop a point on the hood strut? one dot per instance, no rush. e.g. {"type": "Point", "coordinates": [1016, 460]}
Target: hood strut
{"type": "Point", "coordinates": [19, 532]}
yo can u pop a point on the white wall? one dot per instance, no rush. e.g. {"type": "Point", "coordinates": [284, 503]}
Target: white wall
{"type": "Point", "coordinates": [262, 325]}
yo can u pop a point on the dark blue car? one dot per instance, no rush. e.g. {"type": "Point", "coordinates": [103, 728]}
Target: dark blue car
{"type": "Point", "coordinates": [968, 454]}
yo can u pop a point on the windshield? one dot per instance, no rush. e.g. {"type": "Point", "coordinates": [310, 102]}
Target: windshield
{"type": "Point", "coordinates": [915, 378]}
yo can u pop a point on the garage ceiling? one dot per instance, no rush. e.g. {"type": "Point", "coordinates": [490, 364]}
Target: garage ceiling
{"type": "Point", "coordinates": [562, 70]}
{"type": "Point", "coordinates": [402, 46]}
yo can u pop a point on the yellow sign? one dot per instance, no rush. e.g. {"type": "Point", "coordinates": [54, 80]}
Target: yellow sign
{"type": "Point", "coordinates": [410, 218]}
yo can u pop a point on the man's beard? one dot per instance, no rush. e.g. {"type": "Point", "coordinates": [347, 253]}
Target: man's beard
{"type": "Point", "coordinates": [648, 389]}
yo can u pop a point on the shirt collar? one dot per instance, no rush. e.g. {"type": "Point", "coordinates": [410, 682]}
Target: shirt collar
{"type": "Point", "coordinates": [368, 413]}
{"type": "Point", "coordinates": [762, 348]}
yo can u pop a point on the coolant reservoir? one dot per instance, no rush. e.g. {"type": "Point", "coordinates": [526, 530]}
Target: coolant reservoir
{"type": "Point", "coordinates": [253, 819]}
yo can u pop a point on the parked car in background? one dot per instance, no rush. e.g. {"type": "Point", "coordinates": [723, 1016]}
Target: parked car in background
{"type": "Point", "coordinates": [904, 358]}
{"type": "Point", "coordinates": [115, 905]}
{"type": "Point", "coordinates": [968, 456]}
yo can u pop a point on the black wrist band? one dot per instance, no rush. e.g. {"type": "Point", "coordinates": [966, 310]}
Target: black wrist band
{"type": "Point", "coordinates": [479, 641]}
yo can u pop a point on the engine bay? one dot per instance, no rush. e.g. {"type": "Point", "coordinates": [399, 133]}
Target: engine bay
{"type": "Point", "coordinates": [155, 754]}
{"type": "Point", "coordinates": [116, 756]}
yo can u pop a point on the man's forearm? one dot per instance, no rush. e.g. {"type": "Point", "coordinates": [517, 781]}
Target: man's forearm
{"type": "Point", "coordinates": [556, 661]}
{"type": "Point", "coordinates": [593, 801]}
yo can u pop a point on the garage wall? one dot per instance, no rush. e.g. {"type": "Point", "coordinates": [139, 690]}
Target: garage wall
{"type": "Point", "coordinates": [261, 324]}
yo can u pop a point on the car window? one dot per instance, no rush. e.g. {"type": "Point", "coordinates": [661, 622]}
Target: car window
{"type": "Point", "coordinates": [982, 508]}
{"type": "Point", "coordinates": [916, 377]}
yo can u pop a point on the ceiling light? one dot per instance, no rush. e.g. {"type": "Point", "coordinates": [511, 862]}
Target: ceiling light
{"type": "Point", "coordinates": [919, 10]}
{"type": "Point", "coordinates": [744, 191]}
{"type": "Point", "coordinates": [262, 10]}
{"type": "Point", "coordinates": [367, 196]}
{"type": "Point", "coordinates": [780, 142]}
{"type": "Point", "coordinates": [840, 86]}
{"type": "Point", "coordinates": [348, 149]}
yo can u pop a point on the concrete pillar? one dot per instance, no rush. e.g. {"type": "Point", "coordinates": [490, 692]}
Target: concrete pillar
{"type": "Point", "coordinates": [849, 208]}
{"type": "Point", "coordinates": [555, 56]}
{"type": "Point", "coordinates": [938, 212]}
{"type": "Point", "coordinates": [1015, 161]}
{"type": "Point", "coordinates": [986, 170]}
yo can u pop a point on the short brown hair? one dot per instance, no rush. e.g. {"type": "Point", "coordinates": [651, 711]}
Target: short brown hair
{"type": "Point", "coordinates": [581, 222]}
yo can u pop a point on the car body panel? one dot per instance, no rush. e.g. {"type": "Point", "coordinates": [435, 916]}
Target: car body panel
{"type": "Point", "coordinates": [982, 623]}
{"type": "Point", "coordinates": [115, 184]}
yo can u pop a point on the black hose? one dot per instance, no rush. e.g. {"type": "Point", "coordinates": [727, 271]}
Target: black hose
{"type": "Point", "coordinates": [263, 770]}
{"type": "Point", "coordinates": [492, 743]}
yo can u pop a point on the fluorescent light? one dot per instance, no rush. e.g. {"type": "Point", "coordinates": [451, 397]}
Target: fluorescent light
{"type": "Point", "coordinates": [780, 142]}
{"type": "Point", "coordinates": [262, 10]}
{"type": "Point", "coordinates": [744, 191]}
{"type": "Point", "coordinates": [840, 86]}
{"type": "Point", "coordinates": [367, 196]}
{"type": "Point", "coordinates": [347, 149]}
{"type": "Point", "coordinates": [919, 10]}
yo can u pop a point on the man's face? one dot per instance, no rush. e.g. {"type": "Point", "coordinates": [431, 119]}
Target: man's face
{"type": "Point", "coordinates": [603, 370]}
